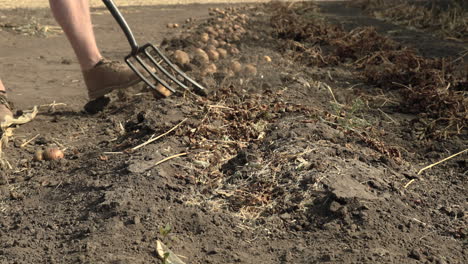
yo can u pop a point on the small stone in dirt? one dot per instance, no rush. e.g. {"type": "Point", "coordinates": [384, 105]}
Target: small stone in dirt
{"type": "Point", "coordinates": [16, 195]}
{"type": "Point", "coordinates": [415, 254]}
{"type": "Point", "coordinates": [327, 257]}
{"type": "Point", "coordinates": [335, 207]}
{"type": "Point", "coordinates": [136, 220]}
{"type": "Point", "coordinates": [211, 251]}
{"type": "Point", "coordinates": [331, 226]}
{"type": "Point", "coordinates": [285, 216]}
{"type": "Point", "coordinates": [66, 61]}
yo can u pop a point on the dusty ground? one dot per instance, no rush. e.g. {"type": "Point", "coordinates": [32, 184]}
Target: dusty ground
{"type": "Point", "coordinates": [304, 162]}
{"type": "Point", "coordinates": [7, 4]}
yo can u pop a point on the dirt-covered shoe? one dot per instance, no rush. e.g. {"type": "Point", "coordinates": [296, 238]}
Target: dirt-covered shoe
{"type": "Point", "coordinates": [107, 76]}
{"type": "Point", "coordinates": [5, 108]}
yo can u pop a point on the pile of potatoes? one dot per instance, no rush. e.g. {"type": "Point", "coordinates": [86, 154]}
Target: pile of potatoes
{"type": "Point", "coordinates": [218, 41]}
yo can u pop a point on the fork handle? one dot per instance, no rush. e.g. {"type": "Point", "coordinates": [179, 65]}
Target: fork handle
{"type": "Point", "coordinates": [123, 25]}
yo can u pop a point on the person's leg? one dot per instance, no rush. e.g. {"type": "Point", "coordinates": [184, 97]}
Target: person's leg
{"type": "Point", "coordinates": [4, 106]}
{"type": "Point", "coordinates": [2, 87]}
{"type": "Point", "coordinates": [100, 76]}
{"type": "Point", "coordinates": [75, 19]}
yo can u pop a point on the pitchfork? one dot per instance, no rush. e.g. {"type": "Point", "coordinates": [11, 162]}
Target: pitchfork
{"type": "Point", "coordinates": [145, 58]}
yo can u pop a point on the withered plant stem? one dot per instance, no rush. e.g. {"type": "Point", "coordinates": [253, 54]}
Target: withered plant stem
{"type": "Point", "coordinates": [152, 139]}
{"type": "Point", "coordinates": [29, 141]}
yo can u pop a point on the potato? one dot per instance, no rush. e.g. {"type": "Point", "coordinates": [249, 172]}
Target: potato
{"type": "Point", "coordinates": [221, 43]}
{"type": "Point", "coordinates": [210, 47]}
{"type": "Point", "coordinates": [235, 66]}
{"type": "Point", "coordinates": [222, 53]}
{"type": "Point", "coordinates": [249, 70]}
{"type": "Point", "coordinates": [234, 50]}
{"type": "Point", "coordinates": [162, 91]}
{"type": "Point", "coordinates": [181, 57]}
{"type": "Point", "coordinates": [213, 42]}
{"type": "Point", "coordinates": [266, 59]}
{"type": "Point", "coordinates": [213, 55]}
{"type": "Point", "coordinates": [211, 32]}
{"type": "Point", "coordinates": [235, 37]}
{"type": "Point", "coordinates": [52, 154]}
{"type": "Point", "coordinates": [209, 69]}
{"type": "Point", "coordinates": [39, 155]}
{"type": "Point", "coordinates": [201, 56]}
{"type": "Point", "coordinates": [204, 37]}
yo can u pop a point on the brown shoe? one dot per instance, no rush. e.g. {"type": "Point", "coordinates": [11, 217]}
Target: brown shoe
{"type": "Point", "coordinates": [5, 108]}
{"type": "Point", "coordinates": [107, 76]}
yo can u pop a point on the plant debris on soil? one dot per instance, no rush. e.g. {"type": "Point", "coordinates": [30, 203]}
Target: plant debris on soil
{"type": "Point", "coordinates": [307, 149]}
{"type": "Point", "coordinates": [448, 18]}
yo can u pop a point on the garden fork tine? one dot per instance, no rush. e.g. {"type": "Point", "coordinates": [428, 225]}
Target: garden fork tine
{"type": "Point", "coordinates": [144, 52]}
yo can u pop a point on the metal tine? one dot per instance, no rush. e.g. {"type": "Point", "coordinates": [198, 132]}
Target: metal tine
{"type": "Point", "coordinates": [198, 87]}
{"type": "Point", "coordinates": [163, 70]}
{"type": "Point", "coordinates": [148, 69]}
{"type": "Point", "coordinates": [137, 71]}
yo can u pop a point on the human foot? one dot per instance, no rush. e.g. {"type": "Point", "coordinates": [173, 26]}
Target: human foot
{"type": "Point", "coordinates": [102, 79]}
{"type": "Point", "coordinates": [107, 76]}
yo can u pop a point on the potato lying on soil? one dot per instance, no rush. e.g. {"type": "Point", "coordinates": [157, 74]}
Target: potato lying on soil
{"type": "Point", "coordinates": [204, 37]}
{"type": "Point", "coordinates": [213, 55]}
{"type": "Point", "coordinates": [39, 155]}
{"type": "Point", "coordinates": [235, 66]}
{"type": "Point", "coordinates": [222, 53]}
{"type": "Point", "coordinates": [249, 70]}
{"type": "Point", "coordinates": [52, 154]}
{"type": "Point", "coordinates": [161, 91]}
{"type": "Point", "coordinates": [234, 51]}
{"type": "Point", "coordinates": [209, 69]}
{"type": "Point", "coordinates": [266, 59]}
{"type": "Point", "coordinates": [210, 47]}
{"type": "Point", "coordinates": [172, 25]}
{"type": "Point", "coordinates": [181, 57]}
{"type": "Point", "coordinates": [200, 56]}
{"type": "Point", "coordinates": [221, 43]}
{"type": "Point", "coordinates": [213, 42]}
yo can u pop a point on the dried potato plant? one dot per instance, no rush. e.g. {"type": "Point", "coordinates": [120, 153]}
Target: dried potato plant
{"type": "Point", "coordinates": [448, 18]}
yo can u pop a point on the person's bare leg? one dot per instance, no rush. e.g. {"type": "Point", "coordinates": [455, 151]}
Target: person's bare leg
{"type": "Point", "coordinates": [2, 87]}
{"type": "Point", "coordinates": [75, 19]}
{"type": "Point", "coordinates": [100, 76]}
{"type": "Point", "coordinates": [4, 107]}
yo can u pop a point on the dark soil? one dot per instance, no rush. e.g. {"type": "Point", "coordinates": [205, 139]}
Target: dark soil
{"type": "Point", "coordinates": [307, 161]}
